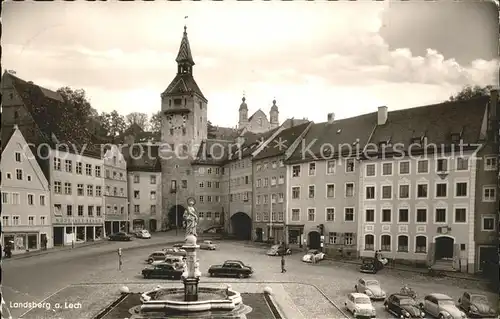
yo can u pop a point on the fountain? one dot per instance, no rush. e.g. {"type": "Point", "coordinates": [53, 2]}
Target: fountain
{"type": "Point", "coordinates": [191, 301]}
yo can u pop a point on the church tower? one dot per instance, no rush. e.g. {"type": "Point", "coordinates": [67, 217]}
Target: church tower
{"type": "Point", "coordinates": [184, 127]}
{"type": "Point", "coordinates": [274, 116]}
{"type": "Point", "coordinates": [243, 121]}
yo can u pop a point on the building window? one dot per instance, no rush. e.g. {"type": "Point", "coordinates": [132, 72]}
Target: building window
{"type": "Point", "coordinates": [5, 221]}
{"type": "Point", "coordinates": [349, 189]}
{"type": "Point", "coordinates": [152, 195]}
{"type": "Point", "coordinates": [488, 223]}
{"type": "Point", "coordinates": [69, 210]}
{"type": "Point", "coordinates": [266, 182]}
{"type": "Point", "coordinates": [88, 169]}
{"type": "Point", "coordinates": [370, 192]}
{"type": "Point", "coordinates": [490, 164]}
{"type": "Point", "coordinates": [423, 166]}
{"type": "Point", "coordinates": [421, 244]}
{"type": "Point", "coordinates": [273, 180]}
{"type": "Point", "coordinates": [330, 190]}
{"type": "Point", "coordinates": [217, 215]}
{"type": "Point", "coordinates": [152, 179]}
{"type": "Point", "coordinates": [295, 214]}
{"type": "Point", "coordinates": [330, 167]}
{"type": "Point", "coordinates": [90, 211]}
{"type": "Point", "coordinates": [274, 198]}
{"type": "Point", "coordinates": [386, 215]}
{"type": "Point", "coordinates": [385, 243]}
{"type": "Point", "coordinates": [79, 168]}
{"type": "Point", "coordinates": [404, 168]}
{"type": "Point", "coordinates": [311, 191]}
{"type": "Point", "coordinates": [387, 169]}
{"type": "Point", "coordinates": [122, 210]}
{"type": "Point", "coordinates": [16, 200]}
{"type": "Point", "coordinates": [136, 209]}
{"type": "Point", "coordinates": [266, 199]}
{"type": "Point", "coordinates": [386, 192]}
{"type": "Point", "coordinates": [18, 157]}
{"type": "Point", "coordinates": [489, 194]}
{"type": "Point", "coordinates": [67, 188]}
{"type": "Point", "coordinates": [5, 198]}
{"type": "Point", "coordinates": [349, 239]}
{"type": "Point", "coordinates": [349, 167]}
{"type": "Point", "coordinates": [422, 190]}
{"type": "Point", "coordinates": [98, 191]}
{"type": "Point", "coordinates": [403, 215]}
{"type": "Point", "coordinates": [421, 215]}
{"type": "Point", "coordinates": [296, 171]}
{"type": "Point", "coordinates": [97, 171]}
{"type": "Point", "coordinates": [257, 200]}
{"type": "Point", "coordinates": [31, 220]}
{"type": "Point", "coordinates": [136, 179]}
{"type": "Point", "coordinates": [370, 170]}
{"type": "Point", "coordinates": [68, 164]}
{"type": "Point", "coordinates": [330, 214]}
{"type": "Point", "coordinates": [370, 215]}
{"type": "Point", "coordinates": [441, 189]}
{"type": "Point", "coordinates": [57, 164]}
{"type": "Point", "coordinates": [281, 180]}
{"type": "Point", "coordinates": [312, 169]}
{"type": "Point", "coordinates": [57, 187]}
{"type": "Point", "coordinates": [403, 243]}
{"type": "Point", "coordinates": [442, 165]}
{"type": "Point", "coordinates": [311, 214]}
{"type": "Point", "coordinates": [369, 242]}
{"type": "Point", "coordinates": [349, 214]}
{"type": "Point", "coordinates": [295, 192]}
{"type": "Point", "coordinates": [137, 195]}
{"type": "Point", "coordinates": [19, 174]}
{"type": "Point", "coordinates": [461, 189]}
{"type": "Point", "coordinates": [266, 216]}
{"type": "Point", "coordinates": [80, 210]}
{"type": "Point", "coordinates": [42, 200]}
{"type": "Point", "coordinates": [333, 238]}
{"type": "Point", "coordinates": [462, 164]}
{"type": "Point", "coordinates": [90, 190]}
{"type": "Point", "coordinates": [460, 215]}
{"type": "Point", "coordinates": [440, 216]}
{"type": "Point", "coordinates": [42, 220]}
{"type": "Point", "coordinates": [15, 220]}
{"type": "Point", "coordinates": [404, 191]}
{"type": "Point", "coordinates": [152, 209]}
{"type": "Point", "coordinates": [281, 197]}
{"type": "Point", "coordinates": [31, 200]}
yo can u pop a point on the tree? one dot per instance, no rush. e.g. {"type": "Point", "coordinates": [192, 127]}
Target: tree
{"type": "Point", "coordinates": [140, 119]}
{"type": "Point", "coordinates": [155, 122]}
{"type": "Point", "coordinates": [113, 123]}
{"type": "Point", "coordinates": [470, 92]}
{"type": "Point", "coordinates": [211, 131]}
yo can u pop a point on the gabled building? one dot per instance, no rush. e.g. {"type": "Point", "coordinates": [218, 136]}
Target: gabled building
{"type": "Point", "coordinates": [26, 215]}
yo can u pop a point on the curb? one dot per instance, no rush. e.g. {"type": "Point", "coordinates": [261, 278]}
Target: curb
{"type": "Point", "coordinates": [53, 250]}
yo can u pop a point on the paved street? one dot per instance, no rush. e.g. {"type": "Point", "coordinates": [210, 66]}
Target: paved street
{"type": "Point", "coordinates": [35, 278]}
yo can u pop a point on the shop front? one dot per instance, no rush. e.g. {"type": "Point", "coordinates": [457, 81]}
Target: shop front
{"type": "Point", "coordinates": [295, 235]}
{"type": "Point", "coordinates": [79, 229]}
{"type": "Point", "coordinates": [22, 242]}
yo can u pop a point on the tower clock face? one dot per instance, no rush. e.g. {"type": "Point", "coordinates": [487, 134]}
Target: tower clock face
{"type": "Point", "coordinates": [177, 121]}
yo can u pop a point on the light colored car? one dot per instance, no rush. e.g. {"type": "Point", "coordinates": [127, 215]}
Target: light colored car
{"type": "Point", "coordinates": [208, 244]}
{"type": "Point", "coordinates": [371, 288]}
{"type": "Point", "coordinates": [360, 305]}
{"type": "Point", "coordinates": [177, 261]}
{"type": "Point", "coordinates": [441, 306]}
{"type": "Point", "coordinates": [308, 257]}
{"type": "Point", "coordinates": [143, 234]}
{"type": "Point", "coordinates": [175, 252]}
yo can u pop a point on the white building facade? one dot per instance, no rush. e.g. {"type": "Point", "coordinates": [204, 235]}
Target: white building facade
{"type": "Point", "coordinates": [145, 200]}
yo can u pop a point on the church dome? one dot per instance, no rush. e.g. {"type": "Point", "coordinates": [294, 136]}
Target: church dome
{"type": "Point", "coordinates": [274, 108]}
{"type": "Point", "coordinates": [243, 105]}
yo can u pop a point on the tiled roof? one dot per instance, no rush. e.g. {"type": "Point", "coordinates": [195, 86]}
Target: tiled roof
{"type": "Point", "coordinates": [250, 145]}
{"type": "Point", "coordinates": [184, 54]}
{"type": "Point", "coordinates": [146, 161]}
{"type": "Point", "coordinates": [42, 103]}
{"type": "Point", "coordinates": [436, 122]}
{"type": "Point", "coordinates": [225, 133]}
{"type": "Point", "coordinates": [282, 141]}
{"type": "Point", "coordinates": [183, 83]}
{"type": "Point", "coordinates": [213, 152]}
{"type": "Point", "coordinates": [259, 111]}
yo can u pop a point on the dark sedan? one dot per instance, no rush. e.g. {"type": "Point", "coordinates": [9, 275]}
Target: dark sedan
{"type": "Point", "coordinates": [120, 236]}
{"type": "Point", "coordinates": [403, 306]}
{"type": "Point", "coordinates": [476, 306]}
{"type": "Point", "coordinates": [162, 270]}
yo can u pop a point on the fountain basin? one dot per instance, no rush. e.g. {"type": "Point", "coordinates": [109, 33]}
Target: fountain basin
{"type": "Point", "coordinates": [172, 299]}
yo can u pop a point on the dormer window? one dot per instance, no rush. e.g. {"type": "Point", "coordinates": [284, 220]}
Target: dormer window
{"type": "Point", "coordinates": [177, 101]}
{"type": "Point", "coordinates": [385, 142]}
{"type": "Point", "coordinates": [416, 140]}
{"type": "Point", "coordinates": [456, 137]}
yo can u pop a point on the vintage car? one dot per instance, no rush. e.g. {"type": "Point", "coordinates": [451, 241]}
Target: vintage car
{"type": "Point", "coordinates": [175, 252]}
{"type": "Point", "coordinates": [162, 270]}
{"type": "Point", "coordinates": [177, 245]}
{"type": "Point", "coordinates": [308, 257]}
{"type": "Point", "coordinates": [120, 236]}
{"type": "Point", "coordinates": [278, 250]}
{"type": "Point", "coordinates": [156, 256]}
{"type": "Point", "coordinates": [143, 233]}
{"type": "Point", "coordinates": [233, 268]}
{"type": "Point", "coordinates": [360, 305]}
{"type": "Point", "coordinates": [370, 266]}
{"type": "Point", "coordinates": [476, 305]}
{"type": "Point", "coordinates": [441, 306]}
{"type": "Point", "coordinates": [403, 306]}
{"type": "Point", "coordinates": [370, 287]}
{"type": "Point", "coordinates": [177, 261]}
{"type": "Point", "coordinates": [208, 245]}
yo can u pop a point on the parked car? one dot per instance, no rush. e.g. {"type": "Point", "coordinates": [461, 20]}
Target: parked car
{"type": "Point", "coordinates": [360, 305]}
{"type": "Point", "coordinates": [156, 256]}
{"type": "Point", "coordinates": [177, 261]}
{"type": "Point", "coordinates": [476, 305]}
{"type": "Point", "coordinates": [441, 306]}
{"type": "Point", "coordinates": [208, 244]}
{"type": "Point", "coordinates": [143, 234]}
{"type": "Point", "coordinates": [278, 250]}
{"type": "Point", "coordinates": [162, 270]}
{"type": "Point", "coordinates": [175, 252]}
{"type": "Point", "coordinates": [369, 266]}
{"type": "Point", "coordinates": [403, 306]}
{"type": "Point", "coordinates": [177, 245]}
{"type": "Point", "coordinates": [308, 257]}
{"type": "Point", "coordinates": [231, 268]}
{"type": "Point", "coordinates": [120, 236]}
{"type": "Point", "coordinates": [370, 287]}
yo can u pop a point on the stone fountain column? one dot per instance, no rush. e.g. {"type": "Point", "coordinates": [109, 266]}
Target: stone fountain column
{"type": "Point", "coordinates": [190, 279]}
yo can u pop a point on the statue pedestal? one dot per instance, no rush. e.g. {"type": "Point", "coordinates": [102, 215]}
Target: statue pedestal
{"type": "Point", "coordinates": [191, 289]}
{"type": "Point", "coordinates": [190, 278]}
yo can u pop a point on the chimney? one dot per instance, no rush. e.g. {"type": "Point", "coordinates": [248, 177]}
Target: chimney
{"type": "Point", "coordinates": [331, 118]}
{"type": "Point", "coordinates": [382, 115]}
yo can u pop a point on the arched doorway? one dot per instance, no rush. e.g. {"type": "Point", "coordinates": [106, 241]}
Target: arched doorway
{"type": "Point", "coordinates": [444, 248]}
{"type": "Point", "coordinates": [241, 226]}
{"type": "Point", "coordinates": [152, 225]}
{"type": "Point", "coordinates": [175, 215]}
{"type": "Point", "coordinates": [258, 234]}
{"type": "Point", "coordinates": [138, 224]}
{"type": "Point", "coordinates": [314, 239]}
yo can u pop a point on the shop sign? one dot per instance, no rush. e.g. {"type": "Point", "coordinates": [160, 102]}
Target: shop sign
{"type": "Point", "coordinates": [77, 220]}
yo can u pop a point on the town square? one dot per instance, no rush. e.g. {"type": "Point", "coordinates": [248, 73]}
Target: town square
{"type": "Point", "coordinates": [222, 161]}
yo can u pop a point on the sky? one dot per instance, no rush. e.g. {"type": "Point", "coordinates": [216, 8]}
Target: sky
{"type": "Point", "coordinates": [314, 58]}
